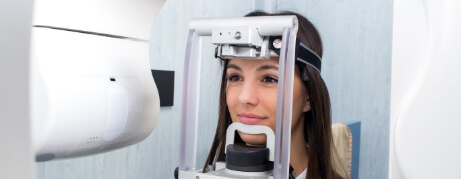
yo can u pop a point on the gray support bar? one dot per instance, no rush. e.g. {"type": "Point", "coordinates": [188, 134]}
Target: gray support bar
{"type": "Point", "coordinates": [190, 104]}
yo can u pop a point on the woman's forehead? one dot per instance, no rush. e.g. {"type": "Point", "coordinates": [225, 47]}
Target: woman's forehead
{"type": "Point", "coordinates": [254, 62]}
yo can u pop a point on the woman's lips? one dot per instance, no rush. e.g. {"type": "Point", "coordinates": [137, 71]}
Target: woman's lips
{"type": "Point", "coordinates": [250, 118]}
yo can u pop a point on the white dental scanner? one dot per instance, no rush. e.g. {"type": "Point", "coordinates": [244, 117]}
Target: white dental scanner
{"type": "Point", "coordinates": [92, 89]}
{"type": "Point", "coordinates": [244, 37]}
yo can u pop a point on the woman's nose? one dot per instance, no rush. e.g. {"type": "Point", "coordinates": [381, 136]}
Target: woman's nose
{"type": "Point", "coordinates": [249, 94]}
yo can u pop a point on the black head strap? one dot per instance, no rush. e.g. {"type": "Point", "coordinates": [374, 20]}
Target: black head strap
{"type": "Point", "coordinates": [303, 53]}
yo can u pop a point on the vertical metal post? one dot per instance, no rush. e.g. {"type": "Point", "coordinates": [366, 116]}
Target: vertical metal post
{"type": "Point", "coordinates": [16, 153]}
{"type": "Point", "coordinates": [284, 103]}
{"type": "Point", "coordinates": [190, 104]}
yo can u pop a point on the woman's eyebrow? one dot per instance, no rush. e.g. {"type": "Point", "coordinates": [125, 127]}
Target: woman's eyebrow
{"type": "Point", "coordinates": [268, 67]}
{"type": "Point", "coordinates": [234, 67]}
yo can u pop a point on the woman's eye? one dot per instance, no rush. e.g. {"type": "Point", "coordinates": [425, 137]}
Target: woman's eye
{"type": "Point", "coordinates": [270, 79]}
{"type": "Point", "coordinates": [234, 78]}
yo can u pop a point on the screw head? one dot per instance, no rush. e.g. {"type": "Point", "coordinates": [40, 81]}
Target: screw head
{"type": "Point", "coordinates": [277, 43]}
{"type": "Point", "coordinates": [238, 35]}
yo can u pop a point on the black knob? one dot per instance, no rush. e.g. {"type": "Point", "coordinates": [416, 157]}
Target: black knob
{"type": "Point", "coordinates": [176, 172]}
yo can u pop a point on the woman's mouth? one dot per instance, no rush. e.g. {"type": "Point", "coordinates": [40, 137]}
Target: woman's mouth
{"type": "Point", "coordinates": [251, 119]}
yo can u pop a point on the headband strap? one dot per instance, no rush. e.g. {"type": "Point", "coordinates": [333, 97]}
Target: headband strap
{"type": "Point", "coordinates": [303, 53]}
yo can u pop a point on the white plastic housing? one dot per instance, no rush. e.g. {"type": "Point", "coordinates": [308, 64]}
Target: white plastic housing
{"type": "Point", "coordinates": [130, 18]}
{"type": "Point", "coordinates": [426, 98]}
{"type": "Point", "coordinates": [266, 25]}
{"type": "Point", "coordinates": [90, 94]}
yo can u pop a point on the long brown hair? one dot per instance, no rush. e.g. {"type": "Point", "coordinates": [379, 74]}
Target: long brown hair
{"type": "Point", "coordinates": [319, 152]}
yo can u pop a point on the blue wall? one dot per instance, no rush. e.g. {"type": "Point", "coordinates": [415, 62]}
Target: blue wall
{"type": "Point", "coordinates": [357, 66]}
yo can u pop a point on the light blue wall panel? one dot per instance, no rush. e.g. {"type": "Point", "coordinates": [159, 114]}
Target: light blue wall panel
{"type": "Point", "coordinates": [357, 57]}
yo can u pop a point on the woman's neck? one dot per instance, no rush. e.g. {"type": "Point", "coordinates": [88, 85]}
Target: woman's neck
{"type": "Point", "coordinates": [298, 149]}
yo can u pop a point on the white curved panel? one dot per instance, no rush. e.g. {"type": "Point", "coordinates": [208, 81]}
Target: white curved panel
{"type": "Point", "coordinates": [130, 18]}
{"type": "Point", "coordinates": [117, 111]}
{"type": "Point", "coordinates": [89, 94]}
{"type": "Point", "coordinates": [426, 89]}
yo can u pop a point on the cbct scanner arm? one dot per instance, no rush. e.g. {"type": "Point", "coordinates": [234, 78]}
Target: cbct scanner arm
{"type": "Point", "coordinates": [92, 89]}
{"type": "Point", "coordinates": [249, 38]}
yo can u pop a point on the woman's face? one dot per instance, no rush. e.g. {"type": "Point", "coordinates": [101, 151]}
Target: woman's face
{"type": "Point", "coordinates": [251, 96]}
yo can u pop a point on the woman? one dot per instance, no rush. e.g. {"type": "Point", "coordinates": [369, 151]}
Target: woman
{"type": "Point", "coordinates": [249, 95]}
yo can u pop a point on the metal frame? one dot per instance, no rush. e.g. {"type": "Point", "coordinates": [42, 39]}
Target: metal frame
{"type": "Point", "coordinates": [287, 27]}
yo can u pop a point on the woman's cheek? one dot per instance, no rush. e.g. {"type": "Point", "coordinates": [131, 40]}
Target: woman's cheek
{"type": "Point", "coordinates": [231, 100]}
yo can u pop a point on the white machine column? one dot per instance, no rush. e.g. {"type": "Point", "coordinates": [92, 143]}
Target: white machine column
{"type": "Point", "coordinates": [426, 90]}
{"type": "Point", "coordinates": [16, 158]}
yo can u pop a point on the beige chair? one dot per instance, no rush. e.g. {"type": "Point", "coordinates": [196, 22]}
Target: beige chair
{"type": "Point", "coordinates": [342, 153]}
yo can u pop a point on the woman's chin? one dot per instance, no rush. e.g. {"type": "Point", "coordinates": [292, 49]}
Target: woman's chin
{"type": "Point", "coordinates": [253, 139]}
